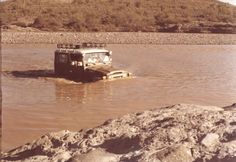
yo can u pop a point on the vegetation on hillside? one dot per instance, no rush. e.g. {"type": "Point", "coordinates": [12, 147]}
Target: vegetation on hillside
{"type": "Point", "coordinates": [120, 15]}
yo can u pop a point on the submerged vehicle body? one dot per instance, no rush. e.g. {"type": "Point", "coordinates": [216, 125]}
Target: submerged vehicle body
{"type": "Point", "coordinates": [86, 61]}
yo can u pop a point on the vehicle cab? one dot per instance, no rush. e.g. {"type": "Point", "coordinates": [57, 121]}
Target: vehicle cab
{"type": "Point", "coordinates": [72, 59]}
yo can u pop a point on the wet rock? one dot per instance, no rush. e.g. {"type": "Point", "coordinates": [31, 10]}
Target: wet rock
{"type": "Point", "coordinates": [62, 156]}
{"type": "Point", "coordinates": [228, 149]}
{"type": "Point", "coordinates": [231, 107]}
{"type": "Point", "coordinates": [169, 154]}
{"type": "Point", "coordinates": [178, 154]}
{"type": "Point", "coordinates": [210, 140]}
{"type": "Point", "coordinates": [98, 155]}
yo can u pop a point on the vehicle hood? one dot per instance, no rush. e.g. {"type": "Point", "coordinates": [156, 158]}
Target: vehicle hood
{"type": "Point", "coordinates": [109, 72]}
{"type": "Point", "coordinates": [103, 69]}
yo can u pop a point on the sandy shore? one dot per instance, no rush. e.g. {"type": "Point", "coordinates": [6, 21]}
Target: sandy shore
{"type": "Point", "coordinates": [179, 133]}
{"type": "Point", "coordinates": [118, 38]}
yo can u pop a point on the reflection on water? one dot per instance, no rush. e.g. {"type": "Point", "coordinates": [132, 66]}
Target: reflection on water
{"type": "Point", "coordinates": [82, 93]}
{"type": "Point", "coordinates": [35, 102]}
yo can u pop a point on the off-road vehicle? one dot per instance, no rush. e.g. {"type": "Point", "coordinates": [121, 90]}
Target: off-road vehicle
{"type": "Point", "coordinates": [86, 61]}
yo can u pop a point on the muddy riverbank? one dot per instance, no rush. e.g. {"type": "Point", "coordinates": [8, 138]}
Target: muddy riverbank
{"type": "Point", "coordinates": [118, 38]}
{"type": "Point", "coordinates": [180, 133]}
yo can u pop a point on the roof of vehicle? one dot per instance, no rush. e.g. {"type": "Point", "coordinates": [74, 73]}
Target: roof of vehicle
{"type": "Point", "coordinates": [82, 50]}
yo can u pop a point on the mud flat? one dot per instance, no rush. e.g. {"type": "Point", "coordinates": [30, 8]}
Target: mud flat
{"type": "Point", "coordinates": [118, 38]}
{"type": "Point", "coordinates": [180, 133]}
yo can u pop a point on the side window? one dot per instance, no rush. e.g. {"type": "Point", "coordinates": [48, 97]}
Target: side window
{"type": "Point", "coordinates": [62, 58]}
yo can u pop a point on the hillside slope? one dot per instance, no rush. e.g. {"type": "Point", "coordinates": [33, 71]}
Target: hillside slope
{"type": "Point", "coordinates": [119, 15]}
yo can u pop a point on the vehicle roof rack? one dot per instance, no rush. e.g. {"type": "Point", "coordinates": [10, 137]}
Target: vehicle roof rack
{"type": "Point", "coordinates": [81, 45]}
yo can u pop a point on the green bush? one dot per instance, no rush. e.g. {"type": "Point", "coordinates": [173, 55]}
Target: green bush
{"type": "Point", "coordinates": [115, 15]}
{"type": "Point", "coordinates": [46, 23]}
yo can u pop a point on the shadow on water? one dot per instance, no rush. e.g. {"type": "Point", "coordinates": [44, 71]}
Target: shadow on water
{"type": "Point", "coordinates": [31, 74]}
{"type": "Point", "coordinates": [45, 73]}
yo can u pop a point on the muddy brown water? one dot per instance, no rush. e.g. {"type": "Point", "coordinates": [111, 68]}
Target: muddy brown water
{"type": "Point", "coordinates": [35, 102]}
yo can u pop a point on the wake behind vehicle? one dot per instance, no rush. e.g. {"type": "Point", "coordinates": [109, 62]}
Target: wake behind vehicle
{"type": "Point", "coordinates": [86, 61]}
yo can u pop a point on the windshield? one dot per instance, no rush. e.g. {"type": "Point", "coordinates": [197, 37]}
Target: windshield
{"type": "Point", "coordinates": [75, 57]}
{"type": "Point", "coordinates": [97, 58]}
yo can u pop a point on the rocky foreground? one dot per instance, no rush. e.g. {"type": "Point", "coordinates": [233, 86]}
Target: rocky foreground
{"type": "Point", "coordinates": [179, 133]}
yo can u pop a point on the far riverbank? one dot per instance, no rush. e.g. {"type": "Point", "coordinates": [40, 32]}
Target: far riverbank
{"type": "Point", "coordinates": [118, 38]}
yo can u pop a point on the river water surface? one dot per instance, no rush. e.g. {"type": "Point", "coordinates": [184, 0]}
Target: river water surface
{"type": "Point", "coordinates": [35, 103]}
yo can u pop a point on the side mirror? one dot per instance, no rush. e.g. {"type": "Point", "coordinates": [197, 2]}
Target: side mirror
{"type": "Point", "coordinates": [110, 53]}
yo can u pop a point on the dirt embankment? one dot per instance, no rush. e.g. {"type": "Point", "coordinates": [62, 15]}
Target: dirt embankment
{"type": "Point", "coordinates": [179, 133]}
{"type": "Point", "coordinates": [118, 38]}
